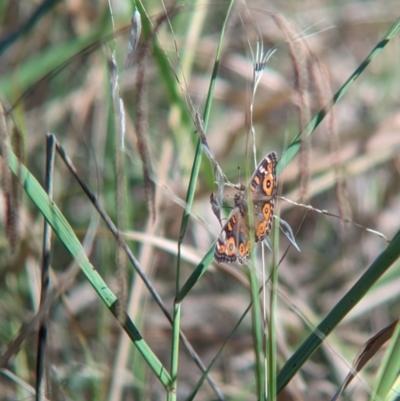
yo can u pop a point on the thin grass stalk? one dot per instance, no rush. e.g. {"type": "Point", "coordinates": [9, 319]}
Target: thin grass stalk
{"type": "Point", "coordinates": [188, 206]}
{"type": "Point", "coordinates": [195, 26]}
{"type": "Point", "coordinates": [45, 279]}
{"type": "Point", "coordinates": [294, 147]}
{"type": "Point", "coordinates": [257, 321]}
{"type": "Point", "coordinates": [257, 332]}
{"type": "Point", "coordinates": [271, 339]}
{"type": "Point", "coordinates": [175, 351]}
{"type": "Point", "coordinates": [258, 325]}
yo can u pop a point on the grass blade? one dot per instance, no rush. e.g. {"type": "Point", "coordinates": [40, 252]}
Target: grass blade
{"type": "Point", "coordinates": [67, 236]}
{"type": "Point", "coordinates": [42, 335]}
{"type": "Point", "coordinates": [353, 296]}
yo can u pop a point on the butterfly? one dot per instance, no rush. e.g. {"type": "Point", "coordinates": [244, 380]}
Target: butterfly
{"type": "Point", "coordinates": [234, 241]}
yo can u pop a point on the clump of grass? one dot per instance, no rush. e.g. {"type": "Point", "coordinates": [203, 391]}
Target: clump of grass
{"type": "Point", "coordinates": [125, 139]}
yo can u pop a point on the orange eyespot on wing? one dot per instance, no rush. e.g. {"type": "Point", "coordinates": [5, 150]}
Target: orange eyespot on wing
{"type": "Point", "coordinates": [230, 248]}
{"type": "Point", "coordinates": [268, 184]}
{"type": "Point", "coordinates": [264, 223]}
{"type": "Point", "coordinates": [262, 227]}
{"type": "Point", "coordinates": [267, 210]}
{"type": "Point", "coordinates": [244, 250]}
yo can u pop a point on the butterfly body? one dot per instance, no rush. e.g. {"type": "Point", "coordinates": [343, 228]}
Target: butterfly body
{"type": "Point", "coordinates": [234, 242]}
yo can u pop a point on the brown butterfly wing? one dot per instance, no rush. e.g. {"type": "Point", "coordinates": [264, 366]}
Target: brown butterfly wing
{"type": "Point", "coordinates": [263, 187]}
{"type": "Point", "coordinates": [233, 243]}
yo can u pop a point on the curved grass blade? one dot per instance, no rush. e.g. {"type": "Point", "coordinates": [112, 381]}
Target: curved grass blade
{"type": "Point", "coordinates": [389, 370]}
{"type": "Point", "coordinates": [67, 236]}
{"type": "Point", "coordinates": [369, 350]}
{"type": "Point", "coordinates": [353, 296]}
{"type": "Point", "coordinates": [197, 273]}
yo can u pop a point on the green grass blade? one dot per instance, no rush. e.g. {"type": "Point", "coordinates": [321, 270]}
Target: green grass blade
{"type": "Point", "coordinates": [202, 267]}
{"type": "Point", "coordinates": [197, 273]}
{"type": "Point", "coordinates": [294, 147]}
{"type": "Point", "coordinates": [67, 236]}
{"type": "Point", "coordinates": [197, 158]}
{"type": "Point", "coordinates": [353, 296]}
{"type": "Point", "coordinates": [257, 327]}
{"type": "Point", "coordinates": [271, 340]}
{"type": "Point", "coordinates": [175, 349]}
